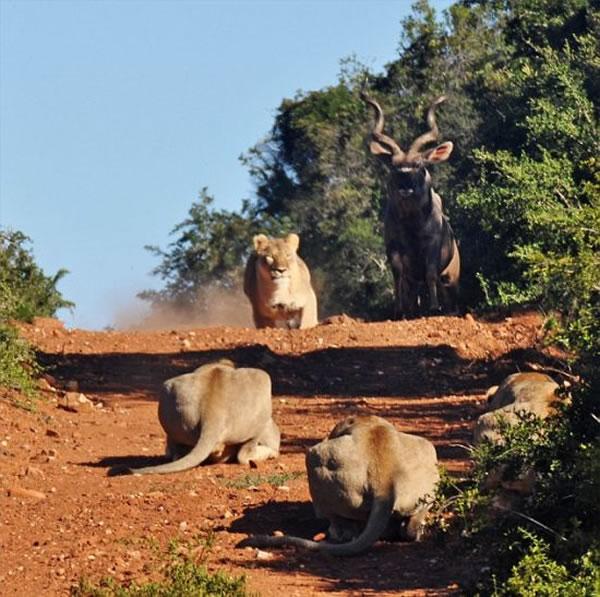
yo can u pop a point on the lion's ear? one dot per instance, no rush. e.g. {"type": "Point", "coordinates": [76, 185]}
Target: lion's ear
{"type": "Point", "coordinates": [293, 241]}
{"type": "Point", "coordinates": [260, 242]}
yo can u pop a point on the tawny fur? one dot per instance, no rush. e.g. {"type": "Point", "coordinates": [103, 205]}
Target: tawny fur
{"type": "Point", "coordinates": [216, 413]}
{"type": "Point", "coordinates": [277, 283]}
{"type": "Point", "coordinates": [529, 392]}
{"type": "Point", "coordinates": [519, 393]}
{"type": "Point", "coordinates": [369, 481]}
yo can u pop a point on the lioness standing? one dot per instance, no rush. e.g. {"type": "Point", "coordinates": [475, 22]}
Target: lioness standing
{"type": "Point", "coordinates": [277, 282]}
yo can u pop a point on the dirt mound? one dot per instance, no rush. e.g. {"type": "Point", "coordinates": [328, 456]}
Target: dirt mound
{"type": "Point", "coordinates": [64, 518]}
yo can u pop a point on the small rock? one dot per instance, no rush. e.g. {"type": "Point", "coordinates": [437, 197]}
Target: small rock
{"type": "Point", "coordinates": [227, 514]}
{"type": "Point", "coordinates": [469, 318]}
{"type": "Point", "coordinates": [35, 472]}
{"type": "Point", "coordinates": [155, 494]}
{"type": "Point", "coordinates": [52, 433]}
{"type": "Point", "coordinates": [83, 399]}
{"type": "Point", "coordinates": [74, 400]}
{"type": "Point", "coordinates": [283, 488]}
{"type": "Point", "coordinates": [26, 493]}
{"type": "Point", "coordinates": [186, 344]}
{"type": "Point", "coordinates": [278, 534]}
{"type": "Point", "coordinates": [44, 386]}
{"type": "Point", "coordinates": [263, 555]}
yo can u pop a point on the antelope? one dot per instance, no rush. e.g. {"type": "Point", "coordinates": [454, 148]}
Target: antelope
{"type": "Point", "coordinates": [420, 244]}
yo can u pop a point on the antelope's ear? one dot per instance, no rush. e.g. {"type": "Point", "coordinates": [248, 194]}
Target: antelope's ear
{"type": "Point", "coordinates": [439, 154]}
{"type": "Point", "coordinates": [293, 241]}
{"type": "Point", "coordinates": [260, 242]}
{"type": "Point", "coordinates": [378, 149]}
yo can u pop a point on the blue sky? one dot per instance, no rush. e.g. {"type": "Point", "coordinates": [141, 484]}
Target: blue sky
{"type": "Point", "coordinates": [114, 114]}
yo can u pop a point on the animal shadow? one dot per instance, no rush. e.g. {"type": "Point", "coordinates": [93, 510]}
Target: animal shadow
{"type": "Point", "coordinates": [121, 465]}
{"type": "Point", "coordinates": [292, 518]}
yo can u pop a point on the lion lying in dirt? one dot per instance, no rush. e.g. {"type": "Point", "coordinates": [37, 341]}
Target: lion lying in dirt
{"type": "Point", "coordinates": [520, 392]}
{"type": "Point", "coordinates": [369, 481]}
{"type": "Point", "coordinates": [216, 413]}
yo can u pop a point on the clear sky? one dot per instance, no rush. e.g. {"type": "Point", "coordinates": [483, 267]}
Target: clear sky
{"type": "Point", "coordinates": [114, 114]}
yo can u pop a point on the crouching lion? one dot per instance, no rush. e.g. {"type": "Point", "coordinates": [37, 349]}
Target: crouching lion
{"type": "Point", "coordinates": [520, 392]}
{"type": "Point", "coordinates": [221, 413]}
{"type": "Point", "coordinates": [369, 481]}
{"type": "Point", "coordinates": [277, 282]}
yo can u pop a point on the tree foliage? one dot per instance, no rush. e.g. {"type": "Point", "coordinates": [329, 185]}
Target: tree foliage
{"type": "Point", "coordinates": [25, 292]}
{"type": "Point", "coordinates": [208, 252]}
{"type": "Point", "coordinates": [522, 189]}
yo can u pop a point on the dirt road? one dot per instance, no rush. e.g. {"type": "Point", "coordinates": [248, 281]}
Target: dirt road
{"type": "Point", "coordinates": [62, 517]}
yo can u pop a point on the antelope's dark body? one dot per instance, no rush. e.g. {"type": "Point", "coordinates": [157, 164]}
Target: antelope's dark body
{"type": "Point", "coordinates": [422, 252]}
{"type": "Point", "coordinates": [419, 241]}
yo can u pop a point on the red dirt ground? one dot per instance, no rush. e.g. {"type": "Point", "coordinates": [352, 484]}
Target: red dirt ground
{"type": "Point", "coordinates": [427, 376]}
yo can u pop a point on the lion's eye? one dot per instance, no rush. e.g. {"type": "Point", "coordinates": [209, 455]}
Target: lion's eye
{"type": "Point", "coordinates": [269, 260]}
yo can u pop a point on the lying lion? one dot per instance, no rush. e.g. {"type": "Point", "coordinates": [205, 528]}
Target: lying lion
{"type": "Point", "coordinates": [369, 481]}
{"type": "Point", "coordinates": [519, 394]}
{"type": "Point", "coordinates": [529, 392]}
{"type": "Point", "coordinates": [216, 413]}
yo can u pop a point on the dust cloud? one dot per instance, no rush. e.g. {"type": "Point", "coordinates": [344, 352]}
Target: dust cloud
{"type": "Point", "coordinates": [226, 308]}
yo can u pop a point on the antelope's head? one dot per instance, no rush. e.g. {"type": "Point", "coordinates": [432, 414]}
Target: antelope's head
{"type": "Point", "coordinates": [408, 169]}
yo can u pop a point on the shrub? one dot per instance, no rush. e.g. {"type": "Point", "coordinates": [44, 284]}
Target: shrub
{"type": "Point", "coordinates": [181, 579]}
{"type": "Point", "coordinates": [25, 291]}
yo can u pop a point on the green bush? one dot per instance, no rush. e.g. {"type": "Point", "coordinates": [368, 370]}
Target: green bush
{"type": "Point", "coordinates": [554, 531]}
{"type": "Point", "coordinates": [182, 579]}
{"type": "Point", "coordinates": [184, 575]}
{"type": "Point", "coordinates": [17, 367]}
{"type": "Point", "coordinates": [537, 574]}
{"type": "Point", "coordinates": [25, 291]}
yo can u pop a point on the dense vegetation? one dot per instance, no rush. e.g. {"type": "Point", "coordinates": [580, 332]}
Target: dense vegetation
{"type": "Point", "coordinates": [523, 192]}
{"type": "Point", "coordinates": [25, 292]}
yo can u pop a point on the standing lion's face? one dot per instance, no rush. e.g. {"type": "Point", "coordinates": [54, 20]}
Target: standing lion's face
{"type": "Point", "coordinates": [276, 256]}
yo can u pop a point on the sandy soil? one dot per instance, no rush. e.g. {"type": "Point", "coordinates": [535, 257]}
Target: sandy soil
{"type": "Point", "coordinates": [63, 517]}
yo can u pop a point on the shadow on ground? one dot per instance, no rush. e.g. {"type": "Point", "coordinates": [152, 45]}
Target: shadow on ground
{"type": "Point", "coordinates": [350, 372]}
{"type": "Point", "coordinates": [385, 567]}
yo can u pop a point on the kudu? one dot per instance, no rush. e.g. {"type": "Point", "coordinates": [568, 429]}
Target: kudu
{"type": "Point", "coordinates": [419, 241]}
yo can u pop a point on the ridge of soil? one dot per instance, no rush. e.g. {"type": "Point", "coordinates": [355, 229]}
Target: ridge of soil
{"type": "Point", "coordinates": [63, 517]}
